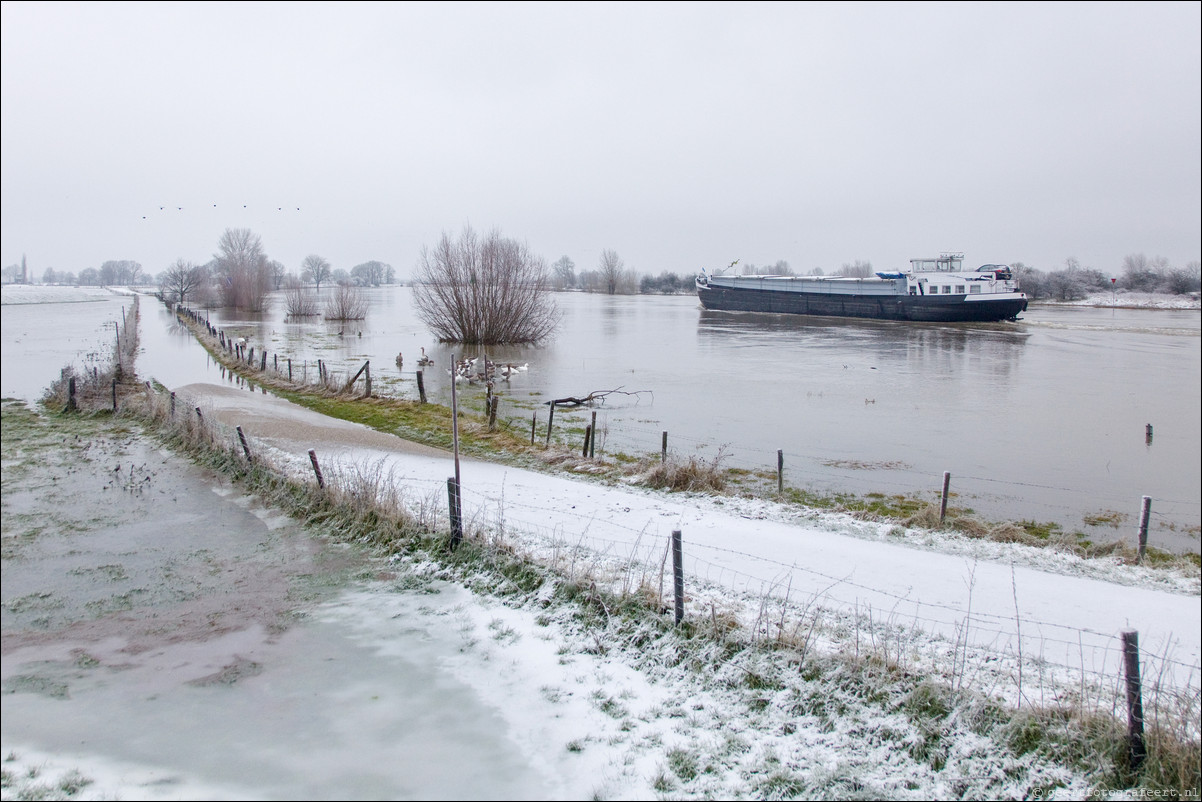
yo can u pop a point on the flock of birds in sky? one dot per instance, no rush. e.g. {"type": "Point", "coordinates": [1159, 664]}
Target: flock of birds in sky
{"type": "Point", "coordinates": [181, 208]}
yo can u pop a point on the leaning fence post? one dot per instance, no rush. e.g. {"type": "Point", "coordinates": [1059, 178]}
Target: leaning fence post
{"type": "Point", "coordinates": [1135, 704]}
{"type": "Point", "coordinates": [456, 519]}
{"type": "Point", "coordinates": [550, 422]}
{"type": "Point", "coordinates": [1144, 514]}
{"type": "Point", "coordinates": [245, 447]}
{"type": "Point", "coordinates": [947, 480]}
{"type": "Point", "coordinates": [678, 574]}
{"type": "Point", "coordinates": [588, 433]}
{"type": "Point", "coordinates": [321, 482]}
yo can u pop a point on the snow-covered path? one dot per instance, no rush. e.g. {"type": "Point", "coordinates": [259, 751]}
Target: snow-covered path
{"type": "Point", "coordinates": [1004, 599]}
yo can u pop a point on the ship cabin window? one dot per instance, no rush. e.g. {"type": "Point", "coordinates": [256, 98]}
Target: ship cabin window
{"type": "Point", "coordinates": [974, 288]}
{"type": "Point", "coordinates": [947, 289]}
{"type": "Point", "coordinates": [913, 290]}
{"type": "Point", "coordinates": [959, 289]}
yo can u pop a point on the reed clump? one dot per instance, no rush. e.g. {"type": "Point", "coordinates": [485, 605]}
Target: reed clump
{"type": "Point", "coordinates": [684, 475]}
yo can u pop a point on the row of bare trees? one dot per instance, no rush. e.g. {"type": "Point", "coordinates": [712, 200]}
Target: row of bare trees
{"type": "Point", "coordinates": [1140, 273]}
{"type": "Point", "coordinates": [241, 276]}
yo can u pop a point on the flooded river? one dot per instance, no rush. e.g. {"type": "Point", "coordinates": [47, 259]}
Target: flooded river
{"type": "Point", "coordinates": [1044, 419]}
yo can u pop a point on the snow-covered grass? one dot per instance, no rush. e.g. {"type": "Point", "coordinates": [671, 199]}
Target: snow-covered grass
{"type": "Point", "coordinates": [1125, 299]}
{"type": "Point", "coordinates": [56, 293]}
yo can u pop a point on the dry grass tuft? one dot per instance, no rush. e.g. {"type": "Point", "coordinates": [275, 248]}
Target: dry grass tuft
{"type": "Point", "coordinates": [691, 474]}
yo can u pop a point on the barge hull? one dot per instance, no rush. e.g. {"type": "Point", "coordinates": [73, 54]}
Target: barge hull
{"type": "Point", "coordinates": [934, 308]}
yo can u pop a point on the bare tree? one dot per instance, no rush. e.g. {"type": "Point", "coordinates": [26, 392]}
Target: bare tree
{"type": "Point", "coordinates": [347, 303]}
{"type": "Point", "coordinates": [564, 273]}
{"type": "Point", "coordinates": [298, 300]}
{"type": "Point", "coordinates": [370, 274]}
{"type": "Point", "coordinates": [278, 273]}
{"type": "Point", "coordinates": [179, 280]}
{"type": "Point", "coordinates": [1184, 279]}
{"type": "Point", "coordinates": [242, 272]}
{"type": "Point", "coordinates": [120, 272]}
{"type": "Point", "coordinates": [610, 267]}
{"type": "Point", "coordinates": [315, 269]}
{"type": "Point", "coordinates": [484, 292]}
{"type": "Point", "coordinates": [857, 269]}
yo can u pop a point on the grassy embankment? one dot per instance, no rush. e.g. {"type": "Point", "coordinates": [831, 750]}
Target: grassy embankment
{"type": "Point", "coordinates": [809, 672]}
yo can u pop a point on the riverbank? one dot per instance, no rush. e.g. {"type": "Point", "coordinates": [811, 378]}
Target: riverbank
{"type": "Point", "coordinates": [1125, 299]}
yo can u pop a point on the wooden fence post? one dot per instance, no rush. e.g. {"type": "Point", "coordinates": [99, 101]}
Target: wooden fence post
{"type": "Point", "coordinates": [780, 471]}
{"type": "Point", "coordinates": [533, 424]}
{"type": "Point", "coordinates": [173, 403]}
{"type": "Point", "coordinates": [1144, 514]}
{"type": "Point", "coordinates": [592, 440]}
{"type": "Point", "coordinates": [588, 433]}
{"type": "Point", "coordinates": [421, 387]}
{"type": "Point", "coordinates": [321, 482]}
{"type": "Point", "coordinates": [947, 480]}
{"type": "Point", "coordinates": [678, 574]}
{"type": "Point", "coordinates": [72, 404]}
{"type": "Point", "coordinates": [493, 403]}
{"type": "Point", "coordinates": [245, 447]}
{"type": "Point", "coordinates": [290, 369]}
{"type": "Point", "coordinates": [114, 396]}
{"type": "Point", "coordinates": [663, 449]}
{"type": "Point", "coordinates": [1136, 749]}
{"type": "Point", "coordinates": [550, 423]}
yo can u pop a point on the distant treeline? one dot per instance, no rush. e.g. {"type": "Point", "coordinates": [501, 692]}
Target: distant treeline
{"type": "Point", "coordinates": [1139, 274]}
{"type": "Point", "coordinates": [226, 276]}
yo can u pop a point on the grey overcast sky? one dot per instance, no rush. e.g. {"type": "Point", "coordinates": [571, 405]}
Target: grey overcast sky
{"type": "Point", "coordinates": [681, 135]}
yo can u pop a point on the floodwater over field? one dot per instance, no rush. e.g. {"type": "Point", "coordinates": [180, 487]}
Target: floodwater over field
{"type": "Point", "coordinates": [1043, 419]}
